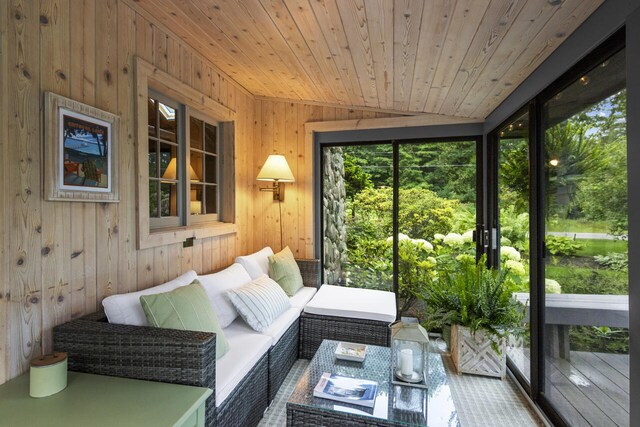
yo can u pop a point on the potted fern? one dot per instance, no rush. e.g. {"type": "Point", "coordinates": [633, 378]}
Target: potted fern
{"type": "Point", "coordinates": [476, 301]}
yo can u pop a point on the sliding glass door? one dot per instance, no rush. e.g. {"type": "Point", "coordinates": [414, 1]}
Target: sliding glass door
{"type": "Point", "coordinates": [586, 351]}
{"type": "Point", "coordinates": [513, 240]}
{"type": "Point", "coordinates": [558, 203]}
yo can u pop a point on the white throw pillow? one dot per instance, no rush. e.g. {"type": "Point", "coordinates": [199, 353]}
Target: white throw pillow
{"type": "Point", "coordinates": [259, 302]}
{"type": "Point", "coordinates": [216, 285]}
{"type": "Point", "coordinates": [125, 309]}
{"type": "Point", "coordinates": [256, 263]}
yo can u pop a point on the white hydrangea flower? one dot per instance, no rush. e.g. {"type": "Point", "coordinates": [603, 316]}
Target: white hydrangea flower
{"type": "Point", "coordinates": [509, 252]}
{"type": "Point", "coordinates": [504, 241]}
{"type": "Point", "coordinates": [468, 236]}
{"type": "Point", "coordinates": [432, 260]}
{"type": "Point", "coordinates": [438, 237]}
{"type": "Point", "coordinates": [453, 239]}
{"type": "Point", "coordinates": [515, 267]}
{"type": "Point", "coordinates": [552, 287]}
{"type": "Point", "coordinates": [423, 243]}
{"type": "Point", "coordinates": [400, 237]}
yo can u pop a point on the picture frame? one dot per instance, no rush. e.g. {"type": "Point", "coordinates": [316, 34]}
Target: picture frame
{"type": "Point", "coordinates": [80, 151]}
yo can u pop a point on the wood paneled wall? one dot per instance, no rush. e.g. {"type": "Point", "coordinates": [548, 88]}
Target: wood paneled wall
{"type": "Point", "coordinates": [279, 129]}
{"type": "Point", "coordinates": [60, 259]}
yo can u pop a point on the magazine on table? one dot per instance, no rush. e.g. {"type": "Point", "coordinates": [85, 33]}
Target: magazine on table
{"type": "Point", "coordinates": [347, 390]}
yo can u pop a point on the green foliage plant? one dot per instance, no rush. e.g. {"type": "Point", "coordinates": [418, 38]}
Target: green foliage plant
{"type": "Point", "coordinates": [416, 271]}
{"type": "Point", "coordinates": [472, 295]}
{"type": "Point", "coordinates": [559, 245]}
{"type": "Point", "coordinates": [614, 261]}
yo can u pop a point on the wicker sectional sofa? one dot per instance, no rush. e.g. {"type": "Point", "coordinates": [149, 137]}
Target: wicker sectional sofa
{"type": "Point", "coordinates": [186, 357]}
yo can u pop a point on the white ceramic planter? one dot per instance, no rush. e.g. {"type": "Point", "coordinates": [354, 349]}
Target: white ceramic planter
{"type": "Point", "coordinates": [473, 354]}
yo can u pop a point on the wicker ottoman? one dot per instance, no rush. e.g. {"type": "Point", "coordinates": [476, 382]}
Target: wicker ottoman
{"type": "Point", "coordinates": [346, 314]}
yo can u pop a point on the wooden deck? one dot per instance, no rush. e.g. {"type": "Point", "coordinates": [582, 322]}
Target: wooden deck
{"type": "Point", "coordinates": [591, 389]}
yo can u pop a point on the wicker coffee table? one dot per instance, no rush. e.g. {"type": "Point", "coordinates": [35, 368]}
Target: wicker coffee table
{"type": "Point", "coordinates": [395, 405]}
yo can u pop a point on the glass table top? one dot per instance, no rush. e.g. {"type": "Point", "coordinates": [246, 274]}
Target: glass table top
{"type": "Point", "coordinates": [402, 405]}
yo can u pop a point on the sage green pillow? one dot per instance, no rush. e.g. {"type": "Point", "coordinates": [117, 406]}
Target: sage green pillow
{"type": "Point", "coordinates": [284, 269]}
{"type": "Point", "coordinates": [186, 308]}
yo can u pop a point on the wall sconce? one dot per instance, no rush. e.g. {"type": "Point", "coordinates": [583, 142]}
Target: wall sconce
{"type": "Point", "coordinates": [277, 170]}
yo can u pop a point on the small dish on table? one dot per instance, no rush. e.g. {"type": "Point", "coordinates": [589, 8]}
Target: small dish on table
{"type": "Point", "coordinates": [351, 351]}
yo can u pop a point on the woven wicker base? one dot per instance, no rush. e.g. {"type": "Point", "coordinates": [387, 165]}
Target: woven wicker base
{"type": "Point", "coordinates": [315, 328]}
{"type": "Point", "coordinates": [140, 352]}
{"type": "Point", "coordinates": [248, 401]}
{"type": "Point", "coordinates": [282, 356]}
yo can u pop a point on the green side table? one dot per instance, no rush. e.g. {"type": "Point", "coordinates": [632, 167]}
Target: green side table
{"type": "Point", "coordinates": [97, 400]}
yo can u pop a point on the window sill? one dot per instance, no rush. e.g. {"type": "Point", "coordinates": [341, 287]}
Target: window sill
{"type": "Point", "coordinates": [167, 236]}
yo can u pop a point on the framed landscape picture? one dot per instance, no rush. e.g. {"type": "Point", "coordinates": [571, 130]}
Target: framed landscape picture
{"type": "Point", "coordinates": [80, 152]}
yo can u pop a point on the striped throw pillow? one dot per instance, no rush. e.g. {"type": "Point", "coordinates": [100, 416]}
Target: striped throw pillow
{"type": "Point", "coordinates": [259, 302]}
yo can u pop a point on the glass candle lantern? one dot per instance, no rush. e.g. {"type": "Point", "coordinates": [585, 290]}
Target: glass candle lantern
{"type": "Point", "coordinates": [409, 353]}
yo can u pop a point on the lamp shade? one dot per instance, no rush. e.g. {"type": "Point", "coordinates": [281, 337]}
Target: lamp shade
{"type": "Point", "coordinates": [171, 173]}
{"type": "Point", "coordinates": [276, 169]}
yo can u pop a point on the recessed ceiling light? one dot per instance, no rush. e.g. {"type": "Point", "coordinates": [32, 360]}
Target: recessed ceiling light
{"type": "Point", "coordinates": [584, 80]}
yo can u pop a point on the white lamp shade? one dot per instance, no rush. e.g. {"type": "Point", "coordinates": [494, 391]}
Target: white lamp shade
{"type": "Point", "coordinates": [276, 169]}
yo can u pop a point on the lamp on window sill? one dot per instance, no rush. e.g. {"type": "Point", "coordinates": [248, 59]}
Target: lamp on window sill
{"type": "Point", "coordinates": [277, 170]}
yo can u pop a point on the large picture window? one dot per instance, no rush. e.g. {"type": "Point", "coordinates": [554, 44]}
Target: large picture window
{"type": "Point", "coordinates": [391, 206]}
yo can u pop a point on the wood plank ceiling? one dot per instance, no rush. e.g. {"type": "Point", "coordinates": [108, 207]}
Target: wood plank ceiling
{"type": "Point", "coordinates": [453, 57]}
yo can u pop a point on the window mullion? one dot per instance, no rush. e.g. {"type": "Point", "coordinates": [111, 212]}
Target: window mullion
{"type": "Point", "coordinates": [185, 150]}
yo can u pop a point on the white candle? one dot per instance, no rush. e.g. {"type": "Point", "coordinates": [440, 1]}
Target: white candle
{"type": "Point", "coordinates": [406, 362]}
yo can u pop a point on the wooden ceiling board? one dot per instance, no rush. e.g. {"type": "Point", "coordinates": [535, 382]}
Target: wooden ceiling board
{"type": "Point", "coordinates": [256, 61]}
{"type": "Point", "coordinates": [408, 16]}
{"type": "Point", "coordinates": [355, 25]}
{"type": "Point", "coordinates": [381, 31]}
{"type": "Point", "coordinates": [462, 30]}
{"type": "Point", "coordinates": [435, 24]}
{"type": "Point", "coordinates": [287, 27]}
{"type": "Point", "coordinates": [496, 22]}
{"type": "Point", "coordinates": [264, 41]}
{"type": "Point", "coordinates": [197, 38]}
{"type": "Point", "coordinates": [565, 19]}
{"type": "Point", "coordinates": [326, 47]}
{"type": "Point", "coordinates": [330, 23]}
{"type": "Point", "coordinates": [449, 57]}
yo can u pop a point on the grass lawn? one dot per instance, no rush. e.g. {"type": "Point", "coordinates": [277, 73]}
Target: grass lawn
{"type": "Point", "coordinates": [591, 247]}
{"type": "Point", "coordinates": [578, 226]}
{"type": "Point", "coordinates": [578, 280]}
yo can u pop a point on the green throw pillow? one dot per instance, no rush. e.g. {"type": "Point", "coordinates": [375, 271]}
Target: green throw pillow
{"type": "Point", "coordinates": [284, 269]}
{"type": "Point", "coordinates": [186, 308]}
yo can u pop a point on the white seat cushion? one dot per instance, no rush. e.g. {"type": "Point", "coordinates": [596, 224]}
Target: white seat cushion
{"type": "Point", "coordinates": [279, 326]}
{"type": "Point", "coordinates": [216, 286]}
{"type": "Point", "coordinates": [125, 309]}
{"type": "Point", "coordinates": [353, 303]}
{"type": "Point", "coordinates": [256, 263]}
{"type": "Point", "coordinates": [302, 297]}
{"type": "Point", "coordinates": [246, 347]}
